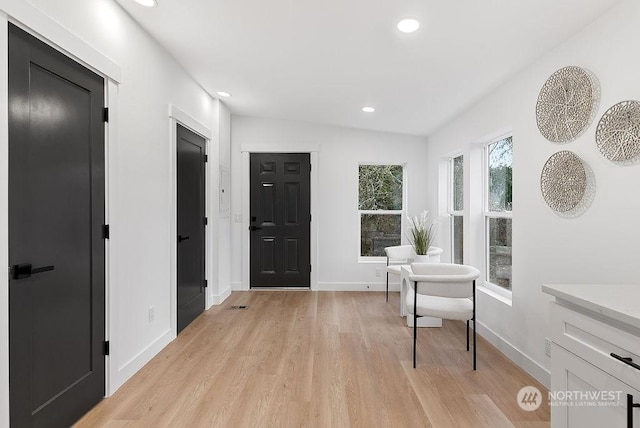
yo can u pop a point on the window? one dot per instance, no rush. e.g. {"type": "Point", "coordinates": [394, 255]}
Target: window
{"type": "Point", "coordinates": [456, 206]}
{"type": "Point", "coordinates": [380, 206]}
{"type": "Point", "coordinates": [498, 206]}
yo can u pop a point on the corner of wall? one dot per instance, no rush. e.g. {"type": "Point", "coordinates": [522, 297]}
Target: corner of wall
{"type": "Point", "coordinates": [222, 295]}
{"type": "Point", "coordinates": [121, 373]}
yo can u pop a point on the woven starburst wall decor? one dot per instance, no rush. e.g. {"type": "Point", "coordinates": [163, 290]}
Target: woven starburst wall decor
{"type": "Point", "coordinates": [563, 181]}
{"type": "Point", "coordinates": [618, 132]}
{"type": "Point", "coordinates": [567, 104]}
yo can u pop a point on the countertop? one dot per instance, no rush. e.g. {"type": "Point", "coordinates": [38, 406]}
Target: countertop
{"type": "Point", "coordinates": [618, 302]}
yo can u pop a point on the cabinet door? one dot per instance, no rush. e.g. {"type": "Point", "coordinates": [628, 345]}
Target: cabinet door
{"type": "Point", "coordinates": [584, 396]}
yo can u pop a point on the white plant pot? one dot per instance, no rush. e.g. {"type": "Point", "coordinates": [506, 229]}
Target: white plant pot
{"type": "Point", "coordinates": [422, 258]}
{"type": "Point", "coordinates": [432, 256]}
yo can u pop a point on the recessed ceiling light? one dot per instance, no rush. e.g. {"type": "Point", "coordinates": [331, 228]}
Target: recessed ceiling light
{"type": "Point", "coordinates": [147, 3]}
{"type": "Point", "coordinates": [224, 94]}
{"type": "Point", "coordinates": [368, 109]}
{"type": "Point", "coordinates": [408, 25]}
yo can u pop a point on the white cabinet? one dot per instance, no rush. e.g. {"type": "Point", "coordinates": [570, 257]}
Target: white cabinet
{"type": "Point", "coordinates": [595, 377]}
{"type": "Point", "coordinates": [584, 396]}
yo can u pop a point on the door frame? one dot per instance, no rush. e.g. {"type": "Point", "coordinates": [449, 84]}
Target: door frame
{"type": "Point", "coordinates": [39, 25]}
{"type": "Point", "coordinates": [314, 154]}
{"type": "Point", "coordinates": [179, 117]}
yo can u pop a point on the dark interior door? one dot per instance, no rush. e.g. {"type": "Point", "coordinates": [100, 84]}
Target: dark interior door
{"type": "Point", "coordinates": [191, 222]}
{"type": "Point", "coordinates": [280, 220]}
{"type": "Point", "coordinates": [56, 248]}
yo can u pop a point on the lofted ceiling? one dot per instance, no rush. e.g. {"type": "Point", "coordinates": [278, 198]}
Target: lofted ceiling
{"type": "Point", "coordinates": [322, 61]}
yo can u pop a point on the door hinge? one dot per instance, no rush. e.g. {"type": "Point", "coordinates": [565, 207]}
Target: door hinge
{"type": "Point", "coordinates": [309, 268]}
{"type": "Point", "coordinates": [105, 231]}
{"type": "Point", "coordinates": [105, 347]}
{"type": "Point", "coordinates": [105, 114]}
{"type": "Point", "coordinates": [205, 283]}
{"type": "Point", "coordinates": [206, 158]}
{"type": "Point", "coordinates": [310, 218]}
{"type": "Point", "coordinates": [206, 221]}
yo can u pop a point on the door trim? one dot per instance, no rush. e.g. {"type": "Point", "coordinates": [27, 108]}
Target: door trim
{"type": "Point", "coordinates": [178, 116]}
{"type": "Point", "coordinates": [36, 23]}
{"type": "Point", "coordinates": [314, 154]}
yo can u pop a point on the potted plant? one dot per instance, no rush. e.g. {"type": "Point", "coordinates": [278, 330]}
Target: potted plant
{"type": "Point", "coordinates": [421, 235]}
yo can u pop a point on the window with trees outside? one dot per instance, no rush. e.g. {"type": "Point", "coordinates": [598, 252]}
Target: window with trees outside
{"type": "Point", "coordinates": [456, 197]}
{"type": "Point", "coordinates": [498, 207]}
{"type": "Point", "coordinates": [380, 207]}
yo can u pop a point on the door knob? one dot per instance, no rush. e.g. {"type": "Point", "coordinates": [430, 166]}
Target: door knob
{"type": "Point", "coordinates": [182, 238]}
{"type": "Point", "coordinates": [25, 270]}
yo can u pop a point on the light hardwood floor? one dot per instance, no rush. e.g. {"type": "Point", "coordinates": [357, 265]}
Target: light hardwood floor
{"type": "Point", "coordinates": [319, 359]}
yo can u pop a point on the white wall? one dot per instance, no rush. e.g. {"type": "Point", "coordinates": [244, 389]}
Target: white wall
{"type": "Point", "coordinates": [598, 247]}
{"type": "Point", "coordinates": [220, 281]}
{"type": "Point", "coordinates": [341, 150]}
{"type": "Point", "coordinates": [139, 177]}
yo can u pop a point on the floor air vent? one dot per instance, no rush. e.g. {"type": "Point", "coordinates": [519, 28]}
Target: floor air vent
{"type": "Point", "coordinates": [237, 307]}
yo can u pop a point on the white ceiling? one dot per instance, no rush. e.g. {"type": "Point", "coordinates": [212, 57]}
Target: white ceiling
{"type": "Point", "coordinates": [321, 61]}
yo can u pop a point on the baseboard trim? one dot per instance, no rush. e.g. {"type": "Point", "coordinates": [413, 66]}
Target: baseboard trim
{"type": "Point", "coordinates": [238, 286]}
{"type": "Point", "coordinates": [219, 298]}
{"type": "Point", "coordinates": [356, 286]}
{"type": "Point", "coordinates": [131, 367]}
{"type": "Point", "coordinates": [339, 286]}
{"type": "Point", "coordinates": [538, 372]}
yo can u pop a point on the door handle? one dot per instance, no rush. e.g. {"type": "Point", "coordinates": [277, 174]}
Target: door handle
{"type": "Point", "coordinates": [254, 228]}
{"type": "Point", "coordinates": [25, 270]}
{"type": "Point", "coordinates": [630, 406]}
{"type": "Point", "coordinates": [182, 238]}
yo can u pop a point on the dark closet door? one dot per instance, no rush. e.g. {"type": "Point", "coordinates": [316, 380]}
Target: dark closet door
{"type": "Point", "coordinates": [280, 219]}
{"type": "Point", "coordinates": [191, 226]}
{"type": "Point", "coordinates": [56, 248]}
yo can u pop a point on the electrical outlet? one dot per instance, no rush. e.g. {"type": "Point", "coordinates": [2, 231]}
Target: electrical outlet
{"type": "Point", "coordinates": [547, 346]}
{"type": "Point", "coordinates": [152, 314]}
{"type": "Point", "coordinates": [378, 272]}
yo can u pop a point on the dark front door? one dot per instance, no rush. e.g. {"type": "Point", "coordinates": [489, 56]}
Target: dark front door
{"type": "Point", "coordinates": [191, 222]}
{"type": "Point", "coordinates": [56, 248]}
{"type": "Point", "coordinates": [280, 220]}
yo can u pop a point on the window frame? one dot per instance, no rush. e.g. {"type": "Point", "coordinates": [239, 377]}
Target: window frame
{"type": "Point", "coordinates": [451, 202]}
{"type": "Point", "coordinates": [487, 215]}
{"type": "Point", "coordinates": [401, 213]}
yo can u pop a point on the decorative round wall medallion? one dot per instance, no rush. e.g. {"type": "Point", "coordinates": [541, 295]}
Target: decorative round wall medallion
{"type": "Point", "coordinates": [563, 181]}
{"type": "Point", "coordinates": [567, 104]}
{"type": "Point", "coordinates": [618, 132]}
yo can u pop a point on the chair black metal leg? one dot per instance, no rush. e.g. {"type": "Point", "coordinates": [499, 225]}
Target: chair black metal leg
{"type": "Point", "coordinates": [475, 330]}
{"type": "Point", "coordinates": [387, 286]}
{"type": "Point", "coordinates": [467, 335]}
{"type": "Point", "coordinates": [415, 337]}
{"type": "Point", "coordinates": [474, 343]}
{"type": "Point", "coordinates": [415, 322]}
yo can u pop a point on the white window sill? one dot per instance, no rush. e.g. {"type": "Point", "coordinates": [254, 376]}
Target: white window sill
{"type": "Point", "coordinates": [498, 296]}
{"type": "Point", "coordinates": [376, 260]}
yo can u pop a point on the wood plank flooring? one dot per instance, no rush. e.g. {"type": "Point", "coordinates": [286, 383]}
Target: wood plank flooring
{"type": "Point", "coordinates": [319, 359]}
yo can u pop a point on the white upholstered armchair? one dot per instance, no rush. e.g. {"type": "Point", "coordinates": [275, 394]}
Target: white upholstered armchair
{"type": "Point", "coordinates": [398, 256]}
{"type": "Point", "coordinates": [443, 290]}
